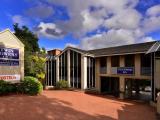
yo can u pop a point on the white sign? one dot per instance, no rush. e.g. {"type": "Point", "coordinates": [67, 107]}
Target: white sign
{"type": "Point", "coordinates": [9, 77]}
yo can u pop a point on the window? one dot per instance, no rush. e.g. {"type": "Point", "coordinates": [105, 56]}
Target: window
{"type": "Point", "coordinates": [103, 65]}
{"type": "Point", "coordinates": [145, 64]}
{"type": "Point", "coordinates": [115, 61]}
{"type": "Point", "coordinates": [75, 69]}
{"type": "Point", "coordinates": [63, 66]}
{"type": "Point", "coordinates": [90, 72]}
{"type": "Point", "coordinates": [129, 60]}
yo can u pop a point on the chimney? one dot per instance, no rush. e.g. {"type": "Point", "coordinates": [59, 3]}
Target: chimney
{"type": "Point", "coordinates": [54, 52]}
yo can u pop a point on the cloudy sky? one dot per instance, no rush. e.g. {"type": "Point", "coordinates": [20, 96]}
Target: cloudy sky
{"type": "Point", "coordinates": [87, 24]}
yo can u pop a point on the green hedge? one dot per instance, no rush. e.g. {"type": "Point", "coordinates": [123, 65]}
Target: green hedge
{"type": "Point", "coordinates": [62, 84]}
{"type": "Point", "coordinates": [29, 85]}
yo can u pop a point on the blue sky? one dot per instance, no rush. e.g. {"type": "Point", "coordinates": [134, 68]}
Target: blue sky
{"type": "Point", "coordinates": [87, 24]}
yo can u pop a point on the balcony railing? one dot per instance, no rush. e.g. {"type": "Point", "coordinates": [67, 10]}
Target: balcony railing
{"type": "Point", "coordinates": [103, 70]}
{"type": "Point", "coordinates": [146, 71]}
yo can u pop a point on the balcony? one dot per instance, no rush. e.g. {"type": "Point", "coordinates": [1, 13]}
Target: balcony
{"type": "Point", "coordinates": [103, 70]}
{"type": "Point", "coordinates": [146, 71]}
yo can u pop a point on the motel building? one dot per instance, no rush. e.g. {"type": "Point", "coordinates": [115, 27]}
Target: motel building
{"type": "Point", "coordinates": [129, 71]}
{"type": "Point", "coordinates": [11, 57]}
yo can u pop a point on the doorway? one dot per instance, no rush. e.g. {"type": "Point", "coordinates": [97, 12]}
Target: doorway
{"type": "Point", "coordinates": [110, 85]}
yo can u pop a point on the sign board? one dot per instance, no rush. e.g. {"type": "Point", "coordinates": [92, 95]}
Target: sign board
{"type": "Point", "coordinates": [125, 70]}
{"type": "Point", "coordinates": [9, 62]}
{"type": "Point", "coordinates": [9, 53]}
{"type": "Point", "coordinates": [9, 77]}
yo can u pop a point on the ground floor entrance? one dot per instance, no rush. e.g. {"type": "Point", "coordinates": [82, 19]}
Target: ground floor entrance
{"type": "Point", "coordinates": [110, 85]}
{"type": "Point", "coordinates": [138, 89]}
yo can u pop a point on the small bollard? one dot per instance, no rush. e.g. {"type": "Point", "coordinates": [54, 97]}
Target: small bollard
{"type": "Point", "coordinates": [158, 103]}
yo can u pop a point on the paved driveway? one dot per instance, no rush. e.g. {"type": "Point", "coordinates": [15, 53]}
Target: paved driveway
{"type": "Point", "coordinates": [70, 105]}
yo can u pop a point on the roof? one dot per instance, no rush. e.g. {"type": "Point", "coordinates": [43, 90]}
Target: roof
{"type": "Point", "coordinates": [8, 30]}
{"type": "Point", "coordinates": [119, 50]}
{"type": "Point", "coordinates": [154, 48]}
{"type": "Point", "coordinates": [125, 49]}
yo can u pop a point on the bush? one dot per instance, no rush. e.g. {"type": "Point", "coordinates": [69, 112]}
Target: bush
{"type": "Point", "coordinates": [31, 86]}
{"type": "Point", "coordinates": [6, 87]}
{"type": "Point", "coordinates": [62, 84]}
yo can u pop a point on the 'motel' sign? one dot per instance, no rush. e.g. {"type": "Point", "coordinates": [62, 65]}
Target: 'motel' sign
{"type": "Point", "coordinates": [9, 53]}
{"type": "Point", "coordinates": [125, 70]}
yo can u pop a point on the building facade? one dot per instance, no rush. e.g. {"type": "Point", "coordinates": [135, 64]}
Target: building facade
{"type": "Point", "coordinates": [129, 71]}
{"type": "Point", "coordinates": [11, 57]}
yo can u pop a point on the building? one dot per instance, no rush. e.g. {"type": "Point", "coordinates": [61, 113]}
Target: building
{"type": "Point", "coordinates": [127, 71]}
{"type": "Point", "coordinates": [11, 57]}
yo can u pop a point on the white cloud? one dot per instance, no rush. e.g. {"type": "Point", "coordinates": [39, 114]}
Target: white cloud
{"type": "Point", "coordinates": [40, 11]}
{"type": "Point", "coordinates": [153, 11]}
{"type": "Point", "coordinates": [19, 19]}
{"type": "Point", "coordinates": [124, 23]}
{"type": "Point", "coordinates": [111, 38]}
{"type": "Point", "coordinates": [71, 45]}
{"type": "Point", "coordinates": [49, 30]}
{"type": "Point", "coordinates": [151, 22]}
{"type": "Point", "coordinates": [127, 19]}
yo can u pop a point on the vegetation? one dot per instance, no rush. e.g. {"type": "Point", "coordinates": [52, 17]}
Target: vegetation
{"type": "Point", "coordinates": [34, 58]}
{"type": "Point", "coordinates": [29, 85]}
{"type": "Point", "coordinates": [62, 84]}
{"type": "Point", "coordinates": [6, 87]}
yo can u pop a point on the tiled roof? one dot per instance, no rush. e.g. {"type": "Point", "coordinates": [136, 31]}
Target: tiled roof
{"type": "Point", "coordinates": [125, 49]}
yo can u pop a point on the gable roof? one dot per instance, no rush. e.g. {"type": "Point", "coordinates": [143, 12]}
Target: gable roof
{"type": "Point", "coordinates": [125, 49]}
{"type": "Point", "coordinates": [8, 30]}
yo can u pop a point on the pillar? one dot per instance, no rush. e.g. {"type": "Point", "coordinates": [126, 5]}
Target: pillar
{"type": "Point", "coordinates": [97, 74]}
{"type": "Point", "coordinates": [68, 68]}
{"type": "Point", "coordinates": [137, 65]}
{"type": "Point", "coordinates": [122, 79]}
{"type": "Point", "coordinates": [122, 87]}
{"type": "Point", "coordinates": [83, 72]}
{"type": "Point", "coordinates": [57, 69]}
{"type": "Point", "coordinates": [109, 67]}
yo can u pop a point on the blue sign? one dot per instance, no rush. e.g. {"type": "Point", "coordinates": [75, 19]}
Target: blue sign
{"type": "Point", "coordinates": [125, 70]}
{"type": "Point", "coordinates": [9, 53]}
{"type": "Point", "coordinates": [9, 62]}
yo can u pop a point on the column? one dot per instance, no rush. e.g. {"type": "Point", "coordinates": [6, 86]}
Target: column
{"type": "Point", "coordinates": [51, 70]}
{"type": "Point", "coordinates": [83, 72]}
{"type": "Point", "coordinates": [122, 87]}
{"type": "Point", "coordinates": [57, 69]}
{"type": "Point", "coordinates": [137, 65]}
{"type": "Point", "coordinates": [109, 67]}
{"type": "Point", "coordinates": [122, 79]}
{"type": "Point", "coordinates": [97, 74]}
{"type": "Point", "coordinates": [68, 68]}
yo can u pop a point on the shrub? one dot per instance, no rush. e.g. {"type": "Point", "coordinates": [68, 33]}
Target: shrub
{"type": "Point", "coordinates": [6, 87]}
{"type": "Point", "coordinates": [62, 84]}
{"type": "Point", "coordinates": [31, 86]}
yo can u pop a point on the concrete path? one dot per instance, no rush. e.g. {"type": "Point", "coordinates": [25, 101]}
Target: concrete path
{"type": "Point", "coordinates": [71, 105]}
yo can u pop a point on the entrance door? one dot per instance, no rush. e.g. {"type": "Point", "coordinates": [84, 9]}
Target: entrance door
{"type": "Point", "coordinates": [110, 85]}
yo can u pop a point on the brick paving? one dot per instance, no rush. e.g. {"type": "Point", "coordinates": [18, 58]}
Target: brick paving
{"type": "Point", "coordinates": [72, 105]}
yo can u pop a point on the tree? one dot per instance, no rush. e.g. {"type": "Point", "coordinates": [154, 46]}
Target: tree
{"type": "Point", "coordinates": [28, 38]}
{"type": "Point", "coordinates": [34, 59]}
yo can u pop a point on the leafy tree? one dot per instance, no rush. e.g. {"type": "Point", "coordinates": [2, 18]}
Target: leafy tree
{"type": "Point", "coordinates": [28, 38]}
{"type": "Point", "coordinates": [34, 58]}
